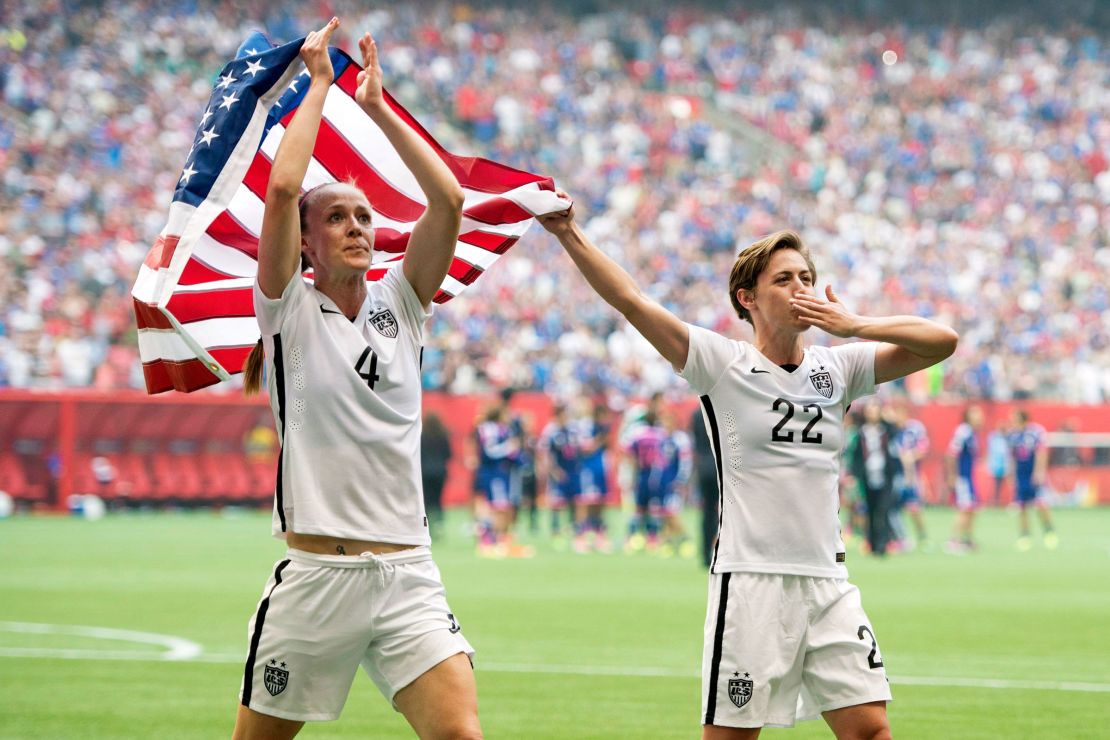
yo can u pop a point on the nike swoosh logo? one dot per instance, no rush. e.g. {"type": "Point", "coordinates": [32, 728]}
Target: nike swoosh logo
{"type": "Point", "coordinates": [756, 370]}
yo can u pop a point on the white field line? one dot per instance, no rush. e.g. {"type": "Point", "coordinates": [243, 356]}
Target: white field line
{"type": "Point", "coordinates": [184, 650]}
{"type": "Point", "coordinates": [177, 648]}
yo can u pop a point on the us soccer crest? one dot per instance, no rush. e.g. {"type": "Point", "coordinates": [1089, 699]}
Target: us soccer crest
{"type": "Point", "coordinates": [822, 382]}
{"type": "Point", "coordinates": [276, 678]}
{"type": "Point", "coordinates": [740, 689]}
{"type": "Point", "coordinates": [384, 322]}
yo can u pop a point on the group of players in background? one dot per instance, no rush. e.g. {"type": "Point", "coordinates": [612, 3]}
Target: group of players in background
{"type": "Point", "coordinates": [559, 479]}
{"type": "Point", "coordinates": [569, 464]}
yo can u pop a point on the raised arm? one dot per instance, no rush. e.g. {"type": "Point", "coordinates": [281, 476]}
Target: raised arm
{"type": "Point", "coordinates": [432, 244]}
{"type": "Point", "coordinates": [909, 343]}
{"type": "Point", "coordinates": [660, 327]}
{"type": "Point", "coordinates": [279, 245]}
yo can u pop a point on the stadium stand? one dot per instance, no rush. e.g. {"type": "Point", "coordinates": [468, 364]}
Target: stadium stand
{"type": "Point", "coordinates": [959, 169]}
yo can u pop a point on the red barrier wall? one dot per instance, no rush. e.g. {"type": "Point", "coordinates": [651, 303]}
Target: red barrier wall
{"type": "Point", "coordinates": [193, 443]}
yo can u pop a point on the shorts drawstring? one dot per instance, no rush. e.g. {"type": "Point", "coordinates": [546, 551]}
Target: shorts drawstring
{"type": "Point", "coordinates": [384, 568]}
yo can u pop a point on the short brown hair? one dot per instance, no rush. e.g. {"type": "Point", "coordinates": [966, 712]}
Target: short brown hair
{"type": "Point", "coordinates": [753, 260]}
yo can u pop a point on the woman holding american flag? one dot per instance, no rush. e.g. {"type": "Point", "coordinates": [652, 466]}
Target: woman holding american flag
{"type": "Point", "coordinates": [358, 584]}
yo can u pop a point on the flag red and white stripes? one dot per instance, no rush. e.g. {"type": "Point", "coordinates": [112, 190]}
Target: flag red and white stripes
{"type": "Point", "coordinates": [192, 297]}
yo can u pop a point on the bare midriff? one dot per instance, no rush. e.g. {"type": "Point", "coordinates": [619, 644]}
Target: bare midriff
{"type": "Point", "coordinates": [325, 545]}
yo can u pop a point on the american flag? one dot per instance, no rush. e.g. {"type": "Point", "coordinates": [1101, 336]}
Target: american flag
{"type": "Point", "coordinates": [192, 298]}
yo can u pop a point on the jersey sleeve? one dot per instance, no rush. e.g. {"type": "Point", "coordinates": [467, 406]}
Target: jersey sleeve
{"type": "Point", "coordinates": [709, 356]}
{"type": "Point", "coordinates": [857, 362]}
{"type": "Point", "coordinates": [403, 297]}
{"type": "Point", "coordinates": [272, 312]}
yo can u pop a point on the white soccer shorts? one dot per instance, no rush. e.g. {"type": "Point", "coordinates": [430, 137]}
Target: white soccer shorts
{"type": "Point", "coordinates": [782, 648]}
{"type": "Point", "coordinates": [321, 616]}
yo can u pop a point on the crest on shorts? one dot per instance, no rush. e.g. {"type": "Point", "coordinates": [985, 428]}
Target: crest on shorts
{"type": "Point", "coordinates": [276, 677]}
{"type": "Point", "coordinates": [384, 322]}
{"type": "Point", "coordinates": [740, 689]}
{"type": "Point", "coordinates": [822, 382]}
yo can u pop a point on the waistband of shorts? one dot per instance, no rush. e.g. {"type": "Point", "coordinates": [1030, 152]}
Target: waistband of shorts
{"type": "Point", "coordinates": [362, 560]}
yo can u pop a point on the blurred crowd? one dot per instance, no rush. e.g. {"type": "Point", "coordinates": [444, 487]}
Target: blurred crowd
{"type": "Point", "coordinates": [955, 171]}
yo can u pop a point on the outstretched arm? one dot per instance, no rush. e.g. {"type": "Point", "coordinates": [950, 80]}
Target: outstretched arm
{"type": "Point", "coordinates": [279, 244]}
{"type": "Point", "coordinates": [659, 326]}
{"type": "Point", "coordinates": [432, 244]}
{"type": "Point", "coordinates": [909, 343]}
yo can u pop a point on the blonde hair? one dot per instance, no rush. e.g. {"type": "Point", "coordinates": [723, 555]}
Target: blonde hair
{"type": "Point", "coordinates": [753, 260]}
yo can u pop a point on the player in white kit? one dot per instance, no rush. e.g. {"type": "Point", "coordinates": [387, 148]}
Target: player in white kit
{"type": "Point", "coordinates": [358, 584]}
{"type": "Point", "coordinates": [786, 637]}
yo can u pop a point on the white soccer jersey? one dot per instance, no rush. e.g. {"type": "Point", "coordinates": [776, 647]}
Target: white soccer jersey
{"type": "Point", "coordinates": [777, 439]}
{"type": "Point", "coordinates": [346, 401]}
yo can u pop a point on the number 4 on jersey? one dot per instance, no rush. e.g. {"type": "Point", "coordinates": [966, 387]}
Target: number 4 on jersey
{"type": "Point", "coordinates": [371, 373]}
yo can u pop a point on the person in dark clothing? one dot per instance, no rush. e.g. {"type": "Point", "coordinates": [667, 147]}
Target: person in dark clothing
{"type": "Point", "coordinates": [875, 463]}
{"type": "Point", "coordinates": [705, 479]}
{"type": "Point", "coordinates": [435, 453]}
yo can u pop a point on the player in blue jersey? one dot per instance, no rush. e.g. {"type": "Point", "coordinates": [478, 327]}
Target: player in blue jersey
{"type": "Point", "coordinates": [1030, 454]}
{"type": "Point", "coordinates": [913, 445]}
{"type": "Point", "coordinates": [786, 636]}
{"type": "Point", "coordinates": [560, 460]}
{"type": "Point", "coordinates": [678, 461]}
{"type": "Point", "coordinates": [593, 445]}
{"type": "Point", "coordinates": [645, 451]}
{"type": "Point", "coordinates": [963, 451]}
{"type": "Point", "coordinates": [496, 447]}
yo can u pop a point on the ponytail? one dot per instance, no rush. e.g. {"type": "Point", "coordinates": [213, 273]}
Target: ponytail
{"type": "Point", "coordinates": [252, 370]}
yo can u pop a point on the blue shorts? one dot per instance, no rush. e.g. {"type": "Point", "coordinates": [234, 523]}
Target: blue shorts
{"type": "Point", "coordinates": [1026, 492]}
{"type": "Point", "coordinates": [593, 487]}
{"type": "Point", "coordinates": [908, 495]}
{"type": "Point", "coordinates": [497, 490]}
{"type": "Point", "coordinates": [966, 499]}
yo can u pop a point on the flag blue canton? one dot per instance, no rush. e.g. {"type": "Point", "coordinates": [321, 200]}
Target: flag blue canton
{"type": "Point", "coordinates": [256, 70]}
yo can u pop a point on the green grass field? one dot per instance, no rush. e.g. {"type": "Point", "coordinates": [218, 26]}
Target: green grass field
{"type": "Point", "coordinates": [998, 644]}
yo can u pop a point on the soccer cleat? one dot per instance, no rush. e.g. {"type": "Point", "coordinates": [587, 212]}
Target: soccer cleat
{"type": "Point", "coordinates": [666, 550]}
{"type": "Point", "coordinates": [581, 545]}
{"type": "Point", "coordinates": [1024, 543]}
{"type": "Point", "coordinates": [635, 543]}
{"type": "Point", "coordinates": [687, 550]}
{"type": "Point", "coordinates": [1051, 541]}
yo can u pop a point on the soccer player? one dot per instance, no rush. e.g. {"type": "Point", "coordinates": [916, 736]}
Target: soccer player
{"type": "Point", "coordinates": [358, 585]}
{"type": "Point", "coordinates": [593, 442]}
{"type": "Point", "coordinates": [962, 451]}
{"type": "Point", "coordinates": [783, 622]}
{"type": "Point", "coordinates": [913, 445]}
{"type": "Point", "coordinates": [645, 451]}
{"type": "Point", "coordinates": [678, 458]}
{"type": "Point", "coordinates": [560, 461]}
{"type": "Point", "coordinates": [497, 448]}
{"type": "Point", "coordinates": [1027, 445]}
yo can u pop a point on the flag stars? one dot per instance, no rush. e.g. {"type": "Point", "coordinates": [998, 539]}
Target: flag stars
{"type": "Point", "coordinates": [254, 68]}
{"type": "Point", "coordinates": [186, 174]}
{"type": "Point", "coordinates": [205, 117]}
{"type": "Point", "coordinates": [206, 137]}
{"type": "Point", "coordinates": [251, 52]}
{"type": "Point", "coordinates": [293, 86]}
{"type": "Point", "coordinates": [229, 100]}
{"type": "Point", "coordinates": [225, 81]}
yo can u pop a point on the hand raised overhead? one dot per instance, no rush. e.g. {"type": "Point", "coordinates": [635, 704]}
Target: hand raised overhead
{"type": "Point", "coordinates": [314, 52]}
{"type": "Point", "coordinates": [369, 91]}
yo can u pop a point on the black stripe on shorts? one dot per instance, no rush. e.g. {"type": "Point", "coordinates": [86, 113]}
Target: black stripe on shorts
{"type": "Point", "coordinates": [718, 640]}
{"type": "Point", "coordinates": [259, 620]}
